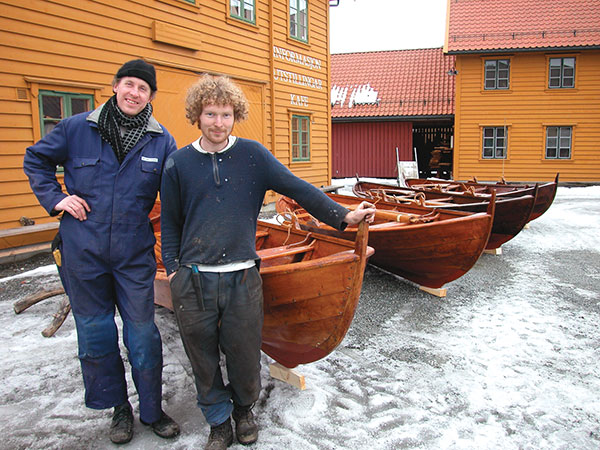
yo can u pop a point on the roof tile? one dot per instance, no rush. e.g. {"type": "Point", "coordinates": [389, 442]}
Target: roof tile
{"type": "Point", "coordinates": [476, 25]}
{"type": "Point", "coordinates": [392, 83]}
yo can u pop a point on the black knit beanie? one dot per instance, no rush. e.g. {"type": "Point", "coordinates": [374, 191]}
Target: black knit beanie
{"type": "Point", "coordinates": [139, 69]}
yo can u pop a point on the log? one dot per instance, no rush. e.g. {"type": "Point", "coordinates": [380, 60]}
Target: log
{"type": "Point", "coordinates": [24, 303]}
{"type": "Point", "coordinates": [58, 318]}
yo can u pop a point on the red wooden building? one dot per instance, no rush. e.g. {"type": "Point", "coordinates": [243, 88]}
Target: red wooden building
{"type": "Point", "coordinates": [386, 100]}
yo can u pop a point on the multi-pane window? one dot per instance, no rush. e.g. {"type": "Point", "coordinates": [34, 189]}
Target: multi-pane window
{"type": "Point", "coordinates": [55, 106]}
{"type": "Point", "coordinates": [299, 19]}
{"type": "Point", "coordinates": [243, 9]}
{"type": "Point", "coordinates": [558, 142]}
{"type": "Point", "coordinates": [497, 73]}
{"type": "Point", "coordinates": [494, 143]}
{"type": "Point", "coordinates": [300, 138]}
{"type": "Point", "coordinates": [561, 73]}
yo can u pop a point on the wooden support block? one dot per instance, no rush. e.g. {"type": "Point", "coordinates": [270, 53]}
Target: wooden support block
{"type": "Point", "coordinates": [494, 251]}
{"type": "Point", "coordinates": [526, 227]}
{"type": "Point", "coordinates": [439, 292]}
{"type": "Point", "coordinates": [290, 376]}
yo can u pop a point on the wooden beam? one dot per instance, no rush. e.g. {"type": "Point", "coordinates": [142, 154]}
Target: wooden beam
{"type": "Point", "coordinates": [13, 238]}
{"type": "Point", "coordinates": [289, 376]}
{"type": "Point", "coordinates": [438, 292]}
{"type": "Point", "coordinates": [494, 251]}
{"type": "Point", "coordinates": [20, 253]}
{"type": "Point", "coordinates": [331, 188]}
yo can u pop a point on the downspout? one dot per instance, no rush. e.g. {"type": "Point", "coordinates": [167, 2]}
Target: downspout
{"type": "Point", "coordinates": [329, 124]}
{"type": "Point", "coordinates": [272, 76]}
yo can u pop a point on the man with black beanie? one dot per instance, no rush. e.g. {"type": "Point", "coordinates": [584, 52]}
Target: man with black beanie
{"type": "Point", "coordinates": [113, 158]}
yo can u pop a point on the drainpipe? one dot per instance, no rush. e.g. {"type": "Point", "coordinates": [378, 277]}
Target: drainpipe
{"type": "Point", "coordinates": [272, 75]}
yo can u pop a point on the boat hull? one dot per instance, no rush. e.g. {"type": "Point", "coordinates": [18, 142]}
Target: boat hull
{"type": "Point", "coordinates": [511, 215]}
{"type": "Point", "coordinates": [429, 254]}
{"type": "Point", "coordinates": [309, 297]}
{"type": "Point", "coordinates": [546, 192]}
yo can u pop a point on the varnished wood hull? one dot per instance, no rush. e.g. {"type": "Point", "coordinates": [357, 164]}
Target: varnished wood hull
{"type": "Point", "coordinates": [546, 192]}
{"type": "Point", "coordinates": [309, 297]}
{"type": "Point", "coordinates": [429, 254]}
{"type": "Point", "coordinates": [511, 214]}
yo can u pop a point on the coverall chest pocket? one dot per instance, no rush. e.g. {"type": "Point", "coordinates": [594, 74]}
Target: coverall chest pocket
{"type": "Point", "coordinates": [149, 177]}
{"type": "Point", "coordinates": [86, 174]}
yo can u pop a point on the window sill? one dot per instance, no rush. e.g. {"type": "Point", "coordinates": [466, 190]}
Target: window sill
{"type": "Point", "coordinates": [241, 23]}
{"type": "Point", "coordinates": [293, 41]}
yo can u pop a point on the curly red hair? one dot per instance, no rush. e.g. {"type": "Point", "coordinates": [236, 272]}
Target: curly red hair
{"type": "Point", "coordinates": [215, 90]}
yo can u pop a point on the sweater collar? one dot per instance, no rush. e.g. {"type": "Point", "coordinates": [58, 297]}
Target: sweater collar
{"type": "Point", "coordinates": [198, 147]}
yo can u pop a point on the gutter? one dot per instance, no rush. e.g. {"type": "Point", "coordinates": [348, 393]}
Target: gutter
{"type": "Point", "coordinates": [522, 50]}
{"type": "Point", "coordinates": [446, 117]}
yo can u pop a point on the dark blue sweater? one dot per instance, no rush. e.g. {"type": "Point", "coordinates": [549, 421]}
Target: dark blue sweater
{"type": "Point", "coordinates": [210, 203]}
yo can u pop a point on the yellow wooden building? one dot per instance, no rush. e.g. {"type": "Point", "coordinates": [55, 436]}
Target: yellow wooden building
{"type": "Point", "coordinates": [58, 58]}
{"type": "Point", "coordinates": [527, 89]}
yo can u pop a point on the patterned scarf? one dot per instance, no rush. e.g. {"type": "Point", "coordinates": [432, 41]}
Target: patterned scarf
{"type": "Point", "coordinates": [111, 121]}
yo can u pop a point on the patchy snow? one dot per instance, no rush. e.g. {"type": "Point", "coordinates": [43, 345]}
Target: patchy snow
{"type": "Point", "coordinates": [508, 360]}
{"type": "Point", "coordinates": [44, 270]}
{"type": "Point", "coordinates": [362, 94]}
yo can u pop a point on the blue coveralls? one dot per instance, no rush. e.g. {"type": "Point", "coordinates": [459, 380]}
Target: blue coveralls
{"type": "Point", "coordinates": [108, 260]}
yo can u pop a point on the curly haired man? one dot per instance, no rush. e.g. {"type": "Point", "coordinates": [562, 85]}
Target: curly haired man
{"type": "Point", "coordinates": [212, 192]}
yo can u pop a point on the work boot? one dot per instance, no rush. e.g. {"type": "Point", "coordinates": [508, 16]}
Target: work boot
{"type": "Point", "coordinates": [221, 436]}
{"type": "Point", "coordinates": [246, 429]}
{"type": "Point", "coordinates": [121, 427]}
{"type": "Point", "coordinates": [165, 427]}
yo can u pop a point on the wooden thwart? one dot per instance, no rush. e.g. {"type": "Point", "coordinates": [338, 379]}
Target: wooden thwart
{"type": "Point", "coordinates": [284, 250]}
{"type": "Point", "coordinates": [289, 376]}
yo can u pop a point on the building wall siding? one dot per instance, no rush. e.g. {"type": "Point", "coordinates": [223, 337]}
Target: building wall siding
{"type": "Point", "coordinates": [78, 45]}
{"type": "Point", "coordinates": [526, 109]}
{"type": "Point", "coordinates": [369, 148]}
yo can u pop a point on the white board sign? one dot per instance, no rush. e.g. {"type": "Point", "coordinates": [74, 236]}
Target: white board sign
{"type": "Point", "coordinates": [408, 169]}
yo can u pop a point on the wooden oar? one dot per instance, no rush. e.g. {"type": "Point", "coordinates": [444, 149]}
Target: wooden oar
{"type": "Point", "coordinates": [387, 215]}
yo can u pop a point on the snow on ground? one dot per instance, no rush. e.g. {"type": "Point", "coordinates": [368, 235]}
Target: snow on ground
{"type": "Point", "coordinates": [508, 360]}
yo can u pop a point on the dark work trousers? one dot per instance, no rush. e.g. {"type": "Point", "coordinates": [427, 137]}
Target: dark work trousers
{"type": "Point", "coordinates": [97, 284]}
{"type": "Point", "coordinates": [229, 317]}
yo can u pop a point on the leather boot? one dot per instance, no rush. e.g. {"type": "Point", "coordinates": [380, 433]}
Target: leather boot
{"type": "Point", "coordinates": [121, 427]}
{"type": "Point", "coordinates": [165, 427]}
{"type": "Point", "coordinates": [246, 429]}
{"type": "Point", "coordinates": [221, 436]}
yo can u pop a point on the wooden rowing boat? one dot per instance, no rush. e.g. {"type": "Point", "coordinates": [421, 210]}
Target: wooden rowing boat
{"type": "Point", "coordinates": [430, 248]}
{"type": "Point", "coordinates": [311, 287]}
{"type": "Point", "coordinates": [510, 217]}
{"type": "Point", "coordinates": [546, 192]}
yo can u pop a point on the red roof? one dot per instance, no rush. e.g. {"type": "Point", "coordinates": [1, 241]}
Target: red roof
{"type": "Point", "coordinates": [392, 84]}
{"type": "Point", "coordinates": [475, 25]}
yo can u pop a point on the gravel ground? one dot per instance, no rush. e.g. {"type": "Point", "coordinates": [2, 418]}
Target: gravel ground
{"type": "Point", "coordinates": [508, 360]}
